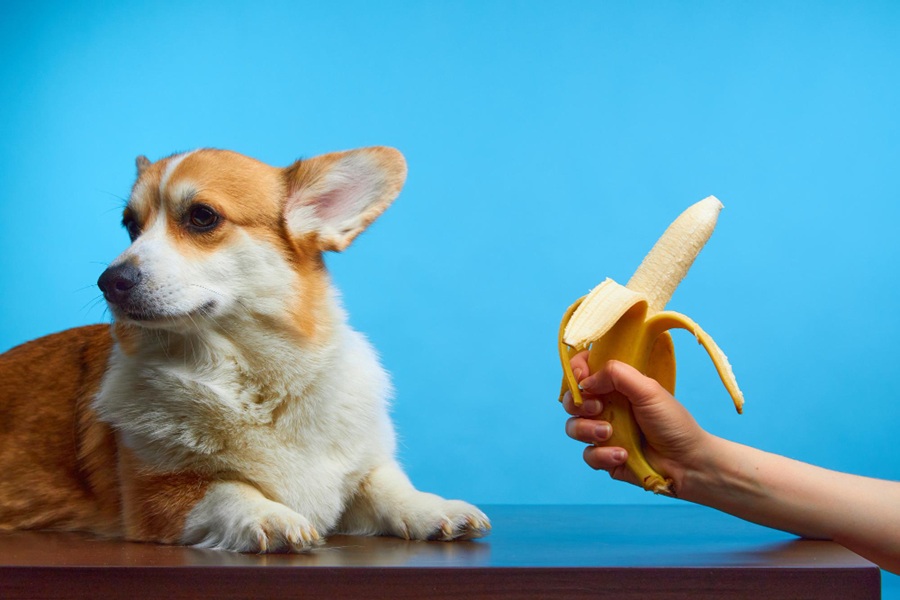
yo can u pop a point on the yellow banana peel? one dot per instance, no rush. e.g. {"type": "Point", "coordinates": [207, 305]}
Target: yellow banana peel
{"type": "Point", "coordinates": [629, 324]}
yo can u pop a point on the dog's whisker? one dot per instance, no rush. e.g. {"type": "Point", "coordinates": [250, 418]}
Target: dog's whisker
{"type": "Point", "coordinates": [85, 287]}
{"type": "Point", "coordinates": [165, 347]}
{"type": "Point", "coordinates": [208, 289]}
{"type": "Point", "coordinates": [123, 201]}
{"type": "Point", "coordinates": [92, 303]}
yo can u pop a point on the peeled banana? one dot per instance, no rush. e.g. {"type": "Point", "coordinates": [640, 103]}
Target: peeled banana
{"type": "Point", "coordinates": [628, 323]}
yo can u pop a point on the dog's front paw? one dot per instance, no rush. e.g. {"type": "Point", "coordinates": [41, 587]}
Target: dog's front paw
{"type": "Point", "coordinates": [430, 517]}
{"type": "Point", "coordinates": [266, 527]}
{"type": "Point", "coordinates": [280, 530]}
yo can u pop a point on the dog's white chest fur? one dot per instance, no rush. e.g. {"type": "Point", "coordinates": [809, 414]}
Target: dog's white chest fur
{"type": "Point", "coordinates": [303, 426]}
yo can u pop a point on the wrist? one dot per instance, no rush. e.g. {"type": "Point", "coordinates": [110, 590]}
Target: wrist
{"type": "Point", "coordinates": [717, 475]}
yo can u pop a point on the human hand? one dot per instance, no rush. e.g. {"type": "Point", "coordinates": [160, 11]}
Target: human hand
{"type": "Point", "coordinates": [674, 441]}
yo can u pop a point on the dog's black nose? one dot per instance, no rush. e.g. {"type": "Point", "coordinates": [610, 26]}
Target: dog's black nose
{"type": "Point", "coordinates": [117, 282]}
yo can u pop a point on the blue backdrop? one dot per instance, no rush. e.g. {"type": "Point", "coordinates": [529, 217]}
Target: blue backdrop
{"type": "Point", "coordinates": [549, 145]}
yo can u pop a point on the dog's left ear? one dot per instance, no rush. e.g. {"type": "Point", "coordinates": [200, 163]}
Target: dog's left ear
{"type": "Point", "coordinates": [141, 162]}
{"type": "Point", "coordinates": [336, 196]}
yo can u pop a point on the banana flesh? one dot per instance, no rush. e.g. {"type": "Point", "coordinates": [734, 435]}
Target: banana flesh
{"type": "Point", "coordinates": [629, 324]}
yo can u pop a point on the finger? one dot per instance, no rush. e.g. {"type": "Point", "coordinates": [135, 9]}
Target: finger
{"type": "Point", "coordinates": [588, 431]}
{"type": "Point", "coordinates": [590, 407]}
{"type": "Point", "coordinates": [616, 376]}
{"type": "Point", "coordinates": [580, 367]}
{"type": "Point", "coordinates": [607, 458]}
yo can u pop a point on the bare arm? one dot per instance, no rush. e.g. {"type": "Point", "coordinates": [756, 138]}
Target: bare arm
{"type": "Point", "coordinates": [860, 513]}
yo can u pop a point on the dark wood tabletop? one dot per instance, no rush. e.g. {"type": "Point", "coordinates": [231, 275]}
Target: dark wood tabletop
{"type": "Point", "coordinates": [609, 552]}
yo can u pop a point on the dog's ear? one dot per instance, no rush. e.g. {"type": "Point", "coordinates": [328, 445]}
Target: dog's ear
{"type": "Point", "coordinates": [141, 162]}
{"type": "Point", "coordinates": [336, 196]}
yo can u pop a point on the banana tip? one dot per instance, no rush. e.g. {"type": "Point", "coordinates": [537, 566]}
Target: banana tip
{"type": "Point", "coordinates": [710, 204]}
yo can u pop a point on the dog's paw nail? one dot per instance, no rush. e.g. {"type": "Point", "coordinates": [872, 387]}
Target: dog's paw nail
{"type": "Point", "coordinates": [447, 530]}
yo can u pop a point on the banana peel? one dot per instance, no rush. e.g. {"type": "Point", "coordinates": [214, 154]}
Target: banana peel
{"type": "Point", "coordinates": [630, 324]}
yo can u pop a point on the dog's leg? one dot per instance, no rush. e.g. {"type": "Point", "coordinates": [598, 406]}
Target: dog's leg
{"type": "Point", "coordinates": [194, 509]}
{"type": "Point", "coordinates": [388, 504]}
{"type": "Point", "coordinates": [234, 515]}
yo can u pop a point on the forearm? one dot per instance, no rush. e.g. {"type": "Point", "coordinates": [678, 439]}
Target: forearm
{"type": "Point", "coordinates": [860, 513]}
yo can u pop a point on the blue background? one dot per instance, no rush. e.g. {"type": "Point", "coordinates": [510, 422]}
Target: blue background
{"type": "Point", "coordinates": [548, 148]}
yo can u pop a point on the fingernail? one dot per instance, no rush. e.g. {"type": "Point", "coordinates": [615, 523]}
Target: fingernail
{"type": "Point", "coordinates": [591, 407]}
{"type": "Point", "coordinates": [577, 373]}
{"type": "Point", "coordinates": [619, 455]}
{"type": "Point", "coordinates": [602, 432]}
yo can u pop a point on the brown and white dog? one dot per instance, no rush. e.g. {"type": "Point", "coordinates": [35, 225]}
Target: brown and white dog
{"type": "Point", "coordinates": [230, 405]}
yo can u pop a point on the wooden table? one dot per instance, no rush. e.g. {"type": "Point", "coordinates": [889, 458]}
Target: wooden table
{"type": "Point", "coordinates": [609, 552]}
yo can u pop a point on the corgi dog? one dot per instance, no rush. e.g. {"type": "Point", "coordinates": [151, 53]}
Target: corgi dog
{"type": "Point", "coordinates": [229, 405]}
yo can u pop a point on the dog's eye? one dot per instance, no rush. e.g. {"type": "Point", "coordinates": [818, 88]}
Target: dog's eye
{"type": "Point", "coordinates": [132, 227]}
{"type": "Point", "coordinates": [202, 217]}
